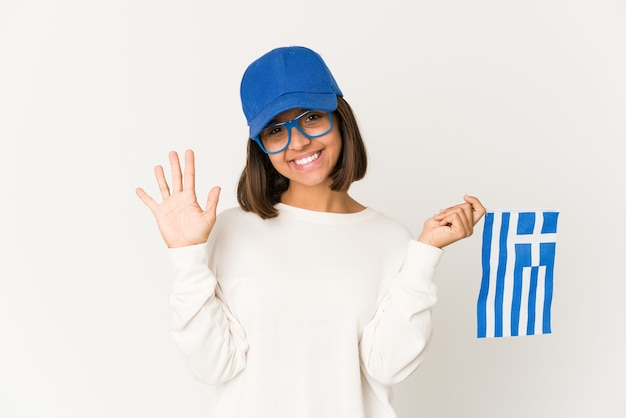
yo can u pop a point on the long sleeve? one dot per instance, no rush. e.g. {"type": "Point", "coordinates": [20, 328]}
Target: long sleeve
{"type": "Point", "coordinates": [210, 337]}
{"type": "Point", "coordinates": [393, 342]}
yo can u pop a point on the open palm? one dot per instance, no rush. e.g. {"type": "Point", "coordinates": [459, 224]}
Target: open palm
{"type": "Point", "coordinates": [180, 218]}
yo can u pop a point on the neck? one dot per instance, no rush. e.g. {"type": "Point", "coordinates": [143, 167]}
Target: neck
{"type": "Point", "coordinates": [320, 199]}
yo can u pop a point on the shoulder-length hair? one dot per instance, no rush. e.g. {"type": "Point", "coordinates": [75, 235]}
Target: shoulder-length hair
{"type": "Point", "coordinates": [261, 186]}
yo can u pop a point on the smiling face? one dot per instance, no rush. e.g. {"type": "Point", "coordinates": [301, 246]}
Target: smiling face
{"type": "Point", "coordinates": [270, 179]}
{"type": "Point", "coordinates": [307, 162]}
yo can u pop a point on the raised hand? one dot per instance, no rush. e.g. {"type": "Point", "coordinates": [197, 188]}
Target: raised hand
{"type": "Point", "coordinates": [452, 224]}
{"type": "Point", "coordinates": [180, 218]}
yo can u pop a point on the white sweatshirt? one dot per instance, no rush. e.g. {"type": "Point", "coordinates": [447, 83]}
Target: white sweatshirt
{"type": "Point", "coordinates": [310, 314]}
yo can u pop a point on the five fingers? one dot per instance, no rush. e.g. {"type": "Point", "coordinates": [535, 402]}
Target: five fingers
{"type": "Point", "coordinates": [178, 181]}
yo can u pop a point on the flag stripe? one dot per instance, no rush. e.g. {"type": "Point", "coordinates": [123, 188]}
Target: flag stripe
{"type": "Point", "coordinates": [522, 259]}
{"type": "Point", "coordinates": [523, 314]}
{"type": "Point", "coordinates": [547, 259]}
{"type": "Point", "coordinates": [532, 300]}
{"type": "Point", "coordinates": [502, 261]}
{"type": "Point", "coordinates": [484, 284]}
{"type": "Point", "coordinates": [539, 306]}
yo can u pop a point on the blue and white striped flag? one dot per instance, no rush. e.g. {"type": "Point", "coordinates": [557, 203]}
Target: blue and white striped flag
{"type": "Point", "coordinates": [518, 273]}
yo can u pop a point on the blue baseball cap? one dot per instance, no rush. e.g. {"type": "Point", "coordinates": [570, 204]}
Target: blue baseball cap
{"type": "Point", "coordinates": [286, 78]}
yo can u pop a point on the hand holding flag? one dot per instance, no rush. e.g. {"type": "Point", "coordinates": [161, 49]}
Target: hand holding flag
{"type": "Point", "coordinates": [452, 224]}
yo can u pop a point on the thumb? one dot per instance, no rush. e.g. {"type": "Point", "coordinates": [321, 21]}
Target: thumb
{"type": "Point", "coordinates": [212, 200]}
{"type": "Point", "coordinates": [478, 210]}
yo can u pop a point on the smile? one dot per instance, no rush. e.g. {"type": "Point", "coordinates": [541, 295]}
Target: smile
{"type": "Point", "coordinates": [307, 160]}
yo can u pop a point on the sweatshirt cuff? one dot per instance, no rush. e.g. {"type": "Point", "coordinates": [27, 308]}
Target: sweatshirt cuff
{"type": "Point", "coordinates": [421, 261]}
{"type": "Point", "coordinates": [183, 257]}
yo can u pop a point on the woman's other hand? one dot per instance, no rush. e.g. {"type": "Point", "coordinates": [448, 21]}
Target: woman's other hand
{"type": "Point", "coordinates": [452, 224]}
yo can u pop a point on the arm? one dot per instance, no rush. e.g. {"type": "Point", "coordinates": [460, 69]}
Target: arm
{"type": "Point", "coordinates": [393, 343]}
{"type": "Point", "coordinates": [210, 337]}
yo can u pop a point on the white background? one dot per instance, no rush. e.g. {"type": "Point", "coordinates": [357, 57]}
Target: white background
{"type": "Point", "coordinates": [521, 103]}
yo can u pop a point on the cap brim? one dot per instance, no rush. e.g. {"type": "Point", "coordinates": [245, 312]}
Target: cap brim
{"type": "Point", "coordinates": [317, 101]}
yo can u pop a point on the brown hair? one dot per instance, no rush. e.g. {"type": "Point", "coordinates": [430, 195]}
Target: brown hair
{"type": "Point", "coordinates": [261, 186]}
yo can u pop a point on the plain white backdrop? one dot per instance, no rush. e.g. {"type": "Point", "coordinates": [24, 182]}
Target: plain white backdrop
{"type": "Point", "coordinates": [522, 104]}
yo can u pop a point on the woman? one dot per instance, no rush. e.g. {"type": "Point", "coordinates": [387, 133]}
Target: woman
{"type": "Point", "coordinates": [301, 302]}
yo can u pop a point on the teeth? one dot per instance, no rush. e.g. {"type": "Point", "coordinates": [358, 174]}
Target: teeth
{"type": "Point", "coordinates": [307, 160]}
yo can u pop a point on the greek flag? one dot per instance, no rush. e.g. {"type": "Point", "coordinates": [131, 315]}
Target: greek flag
{"type": "Point", "coordinates": [518, 273]}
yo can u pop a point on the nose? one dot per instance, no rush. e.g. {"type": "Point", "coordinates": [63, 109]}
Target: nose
{"type": "Point", "coordinates": [298, 141]}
